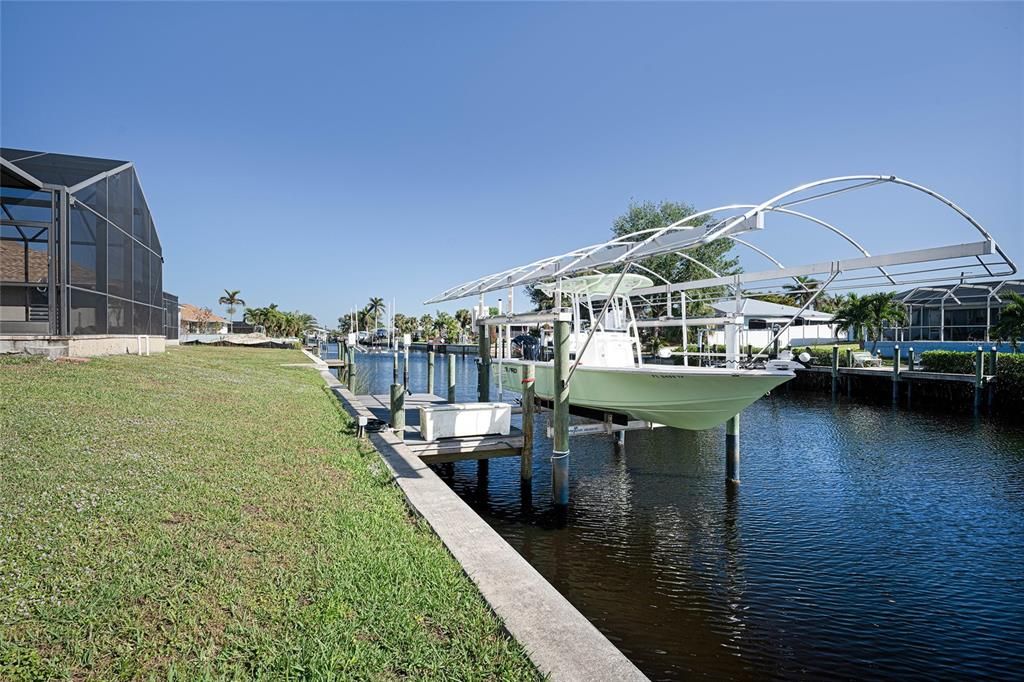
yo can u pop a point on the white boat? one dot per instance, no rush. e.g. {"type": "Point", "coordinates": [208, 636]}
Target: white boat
{"type": "Point", "coordinates": [612, 377]}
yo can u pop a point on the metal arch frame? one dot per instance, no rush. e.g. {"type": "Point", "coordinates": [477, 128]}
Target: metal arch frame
{"type": "Point", "coordinates": [652, 242]}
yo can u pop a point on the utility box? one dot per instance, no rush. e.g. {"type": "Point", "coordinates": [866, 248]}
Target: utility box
{"type": "Point", "coordinates": [459, 420]}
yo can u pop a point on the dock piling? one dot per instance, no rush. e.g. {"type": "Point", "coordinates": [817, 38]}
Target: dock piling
{"type": "Point", "coordinates": [526, 458]}
{"type": "Point", "coordinates": [430, 373]}
{"type": "Point", "coordinates": [560, 455]}
{"type": "Point", "coordinates": [483, 380]}
{"type": "Point", "coordinates": [849, 377]}
{"type": "Point", "coordinates": [405, 369]}
{"type": "Point", "coordinates": [896, 374]}
{"type": "Point", "coordinates": [451, 378]}
{"type": "Point", "coordinates": [910, 359]}
{"type": "Point", "coordinates": [835, 370]}
{"type": "Point", "coordinates": [979, 377]}
{"type": "Point", "coordinates": [394, 369]}
{"type": "Point", "coordinates": [993, 364]}
{"type": "Point", "coordinates": [398, 409]}
{"type": "Point", "coordinates": [732, 450]}
{"type": "Point", "coordinates": [350, 369]}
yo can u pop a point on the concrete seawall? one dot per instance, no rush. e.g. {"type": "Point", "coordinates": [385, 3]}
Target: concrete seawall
{"type": "Point", "coordinates": [560, 641]}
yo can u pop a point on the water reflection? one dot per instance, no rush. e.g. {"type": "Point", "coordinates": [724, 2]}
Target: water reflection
{"type": "Point", "coordinates": [864, 540]}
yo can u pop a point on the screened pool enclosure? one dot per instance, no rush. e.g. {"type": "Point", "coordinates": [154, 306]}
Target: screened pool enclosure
{"type": "Point", "coordinates": [79, 252]}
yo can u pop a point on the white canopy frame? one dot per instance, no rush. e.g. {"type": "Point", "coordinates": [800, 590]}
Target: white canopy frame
{"type": "Point", "coordinates": [686, 234]}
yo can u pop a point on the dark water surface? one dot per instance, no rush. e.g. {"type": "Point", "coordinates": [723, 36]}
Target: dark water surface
{"type": "Point", "coordinates": [863, 542]}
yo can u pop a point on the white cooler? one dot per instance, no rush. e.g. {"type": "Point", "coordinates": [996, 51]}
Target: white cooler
{"type": "Point", "coordinates": [464, 419]}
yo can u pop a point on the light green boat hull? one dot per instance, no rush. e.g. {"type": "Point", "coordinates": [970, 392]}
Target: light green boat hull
{"type": "Point", "coordinates": [681, 397]}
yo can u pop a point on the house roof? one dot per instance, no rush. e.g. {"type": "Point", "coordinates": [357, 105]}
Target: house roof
{"type": "Point", "coordinates": [57, 169]}
{"type": "Point", "coordinates": [192, 313]}
{"type": "Point", "coordinates": [758, 309]}
{"type": "Point", "coordinates": [971, 293]}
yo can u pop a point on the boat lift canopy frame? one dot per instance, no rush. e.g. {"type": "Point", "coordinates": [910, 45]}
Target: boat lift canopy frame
{"type": "Point", "coordinates": [964, 261]}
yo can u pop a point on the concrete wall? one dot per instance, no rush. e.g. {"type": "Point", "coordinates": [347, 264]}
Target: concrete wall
{"type": "Point", "coordinates": [81, 346]}
{"type": "Point", "coordinates": [885, 348]}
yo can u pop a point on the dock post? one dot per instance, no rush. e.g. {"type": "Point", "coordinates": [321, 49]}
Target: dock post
{"type": "Point", "coordinates": [398, 409]}
{"type": "Point", "coordinates": [849, 377]}
{"type": "Point", "coordinates": [405, 369]}
{"type": "Point", "coordinates": [732, 450]}
{"type": "Point", "coordinates": [896, 373]}
{"type": "Point", "coordinates": [979, 377]}
{"type": "Point", "coordinates": [835, 370]}
{"type": "Point", "coordinates": [526, 455]}
{"type": "Point", "coordinates": [394, 369]}
{"type": "Point", "coordinates": [483, 379]}
{"type": "Point", "coordinates": [430, 373]}
{"type": "Point", "coordinates": [993, 365]}
{"type": "Point", "coordinates": [350, 369]}
{"type": "Point", "coordinates": [560, 455]}
{"type": "Point", "coordinates": [451, 378]}
{"type": "Point", "coordinates": [910, 359]}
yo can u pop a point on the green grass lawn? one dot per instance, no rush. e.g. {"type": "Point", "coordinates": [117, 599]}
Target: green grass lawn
{"type": "Point", "coordinates": [208, 513]}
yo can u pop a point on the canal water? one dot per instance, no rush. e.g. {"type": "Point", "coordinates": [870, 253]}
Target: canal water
{"type": "Point", "coordinates": [864, 541]}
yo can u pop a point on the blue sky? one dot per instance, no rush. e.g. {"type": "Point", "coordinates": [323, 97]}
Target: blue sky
{"type": "Point", "coordinates": [316, 154]}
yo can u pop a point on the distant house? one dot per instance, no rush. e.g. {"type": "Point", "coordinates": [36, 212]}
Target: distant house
{"type": "Point", "coordinates": [956, 312]}
{"type": "Point", "coordinates": [763, 319]}
{"type": "Point", "coordinates": [196, 320]}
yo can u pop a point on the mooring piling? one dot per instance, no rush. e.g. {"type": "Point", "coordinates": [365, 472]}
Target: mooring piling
{"type": "Point", "coordinates": [350, 369]}
{"type": "Point", "coordinates": [979, 377]}
{"type": "Point", "coordinates": [993, 364]}
{"type": "Point", "coordinates": [394, 368]}
{"type": "Point", "coordinates": [896, 373]}
{"type": "Point", "coordinates": [405, 369]}
{"type": "Point", "coordinates": [560, 455]}
{"type": "Point", "coordinates": [483, 379]}
{"type": "Point", "coordinates": [451, 378]}
{"type": "Point", "coordinates": [835, 370]}
{"type": "Point", "coordinates": [526, 456]}
{"type": "Point", "coordinates": [398, 409]}
{"type": "Point", "coordinates": [910, 359]}
{"type": "Point", "coordinates": [732, 450]}
{"type": "Point", "coordinates": [849, 377]}
{"type": "Point", "coordinates": [430, 373]}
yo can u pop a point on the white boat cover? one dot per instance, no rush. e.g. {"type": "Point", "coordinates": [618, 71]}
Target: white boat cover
{"type": "Point", "coordinates": [597, 285]}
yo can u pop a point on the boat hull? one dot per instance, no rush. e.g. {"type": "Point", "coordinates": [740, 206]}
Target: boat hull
{"type": "Point", "coordinates": [693, 398]}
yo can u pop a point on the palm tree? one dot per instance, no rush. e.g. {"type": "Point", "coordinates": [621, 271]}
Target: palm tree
{"type": "Point", "coordinates": [232, 301]}
{"type": "Point", "coordinates": [465, 320]}
{"type": "Point", "coordinates": [883, 307]}
{"type": "Point", "coordinates": [802, 289]}
{"type": "Point", "coordinates": [375, 307]}
{"type": "Point", "coordinates": [1011, 320]}
{"type": "Point", "coordinates": [851, 315]}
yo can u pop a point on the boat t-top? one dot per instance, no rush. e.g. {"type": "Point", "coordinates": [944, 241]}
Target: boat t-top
{"type": "Point", "coordinates": [611, 376]}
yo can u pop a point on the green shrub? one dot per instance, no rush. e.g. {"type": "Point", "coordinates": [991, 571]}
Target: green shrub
{"type": "Point", "coordinates": [822, 355]}
{"type": "Point", "coordinates": [1010, 376]}
{"type": "Point", "coordinates": [949, 361]}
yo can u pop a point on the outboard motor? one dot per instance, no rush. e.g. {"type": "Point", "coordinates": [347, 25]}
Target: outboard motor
{"type": "Point", "coordinates": [785, 362]}
{"type": "Point", "coordinates": [530, 346]}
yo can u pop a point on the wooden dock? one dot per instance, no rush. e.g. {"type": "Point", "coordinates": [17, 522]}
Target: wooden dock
{"type": "Point", "coordinates": [447, 449]}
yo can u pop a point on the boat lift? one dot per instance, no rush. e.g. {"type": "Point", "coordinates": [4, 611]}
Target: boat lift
{"type": "Point", "coordinates": [965, 261]}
